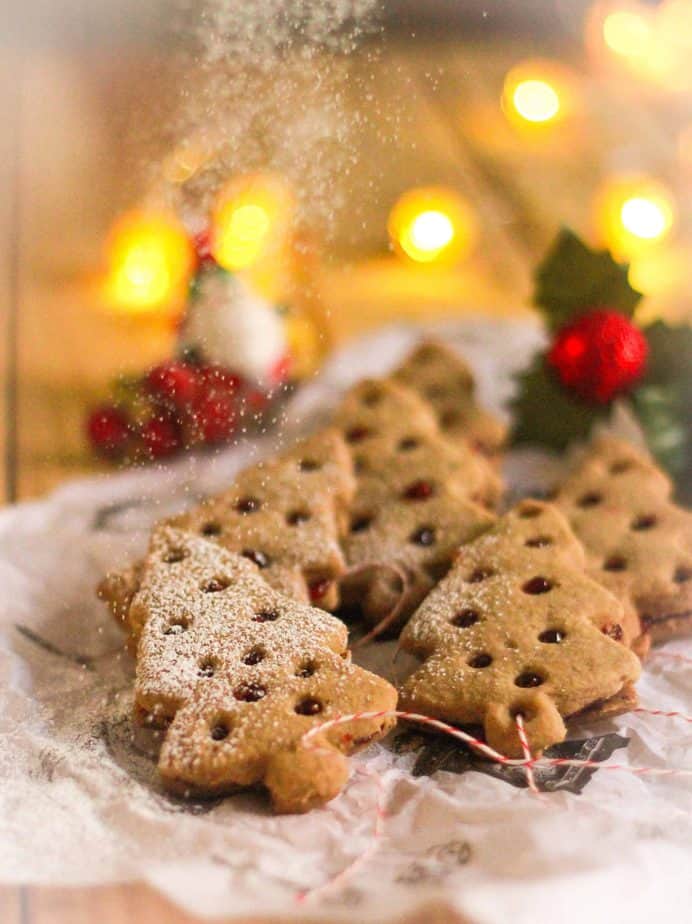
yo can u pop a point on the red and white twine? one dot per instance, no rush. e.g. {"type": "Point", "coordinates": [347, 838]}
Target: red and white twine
{"type": "Point", "coordinates": [524, 741]}
{"type": "Point", "coordinates": [528, 762]}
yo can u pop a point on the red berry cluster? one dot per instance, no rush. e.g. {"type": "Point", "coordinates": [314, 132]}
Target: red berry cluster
{"type": "Point", "coordinates": [176, 405]}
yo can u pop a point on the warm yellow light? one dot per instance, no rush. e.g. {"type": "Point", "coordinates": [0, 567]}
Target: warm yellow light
{"type": "Point", "coordinates": [537, 95]}
{"type": "Point", "coordinates": [634, 214]}
{"type": "Point", "coordinates": [645, 218]}
{"type": "Point", "coordinates": [432, 224]}
{"type": "Point", "coordinates": [430, 232]}
{"type": "Point", "coordinates": [627, 32]}
{"type": "Point", "coordinates": [149, 259]}
{"type": "Point", "coordinates": [252, 215]}
{"type": "Point", "coordinates": [536, 100]}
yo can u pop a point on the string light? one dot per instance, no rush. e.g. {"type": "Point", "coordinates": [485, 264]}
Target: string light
{"type": "Point", "coordinates": [149, 261]}
{"type": "Point", "coordinates": [537, 94]}
{"type": "Point", "coordinates": [633, 214]}
{"type": "Point", "coordinates": [251, 218]}
{"type": "Point", "coordinates": [432, 224]}
{"type": "Point", "coordinates": [627, 32]}
{"type": "Point", "coordinates": [536, 100]}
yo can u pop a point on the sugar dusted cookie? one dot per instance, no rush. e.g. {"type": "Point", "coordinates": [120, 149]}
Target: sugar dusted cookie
{"type": "Point", "coordinates": [284, 514]}
{"type": "Point", "coordinates": [638, 542]}
{"type": "Point", "coordinates": [517, 627]}
{"type": "Point", "coordinates": [418, 497]}
{"type": "Point", "coordinates": [442, 377]}
{"type": "Point", "coordinates": [236, 673]}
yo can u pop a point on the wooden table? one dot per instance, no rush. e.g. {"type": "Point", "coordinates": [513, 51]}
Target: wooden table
{"type": "Point", "coordinates": [62, 150]}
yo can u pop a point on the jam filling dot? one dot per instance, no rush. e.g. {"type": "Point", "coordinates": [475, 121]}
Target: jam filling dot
{"type": "Point", "coordinates": [308, 706]}
{"type": "Point", "coordinates": [254, 656]}
{"type": "Point", "coordinates": [537, 585]}
{"type": "Point", "coordinates": [424, 535]}
{"type": "Point", "coordinates": [220, 731]}
{"type": "Point", "coordinates": [297, 516]}
{"type": "Point", "coordinates": [646, 521]}
{"type": "Point", "coordinates": [408, 443]}
{"type": "Point", "coordinates": [528, 679]}
{"type": "Point", "coordinates": [265, 616]}
{"type": "Point", "coordinates": [481, 660]}
{"type": "Point", "coordinates": [248, 504]}
{"type": "Point", "coordinates": [592, 499]}
{"type": "Point", "coordinates": [176, 627]}
{"type": "Point", "coordinates": [615, 563]}
{"type": "Point", "coordinates": [307, 669]}
{"type": "Point", "coordinates": [614, 631]}
{"type": "Point", "coordinates": [309, 465]}
{"type": "Point", "coordinates": [259, 558]}
{"type": "Point", "coordinates": [174, 556]}
{"type": "Point", "coordinates": [551, 637]}
{"type": "Point", "coordinates": [319, 588]}
{"type": "Point", "coordinates": [419, 490]}
{"type": "Point", "coordinates": [360, 524]}
{"type": "Point", "coordinates": [539, 542]}
{"type": "Point", "coordinates": [215, 585]}
{"type": "Point", "coordinates": [357, 434]}
{"type": "Point", "coordinates": [480, 574]}
{"type": "Point", "coordinates": [465, 618]}
{"type": "Point", "coordinates": [211, 529]}
{"type": "Point", "coordinates": [250, 692]}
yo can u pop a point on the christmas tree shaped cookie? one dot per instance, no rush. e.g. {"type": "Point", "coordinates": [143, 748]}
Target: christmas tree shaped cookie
{"type": "Point", "coordinates": [284, 514]}
{"type": "Point", "coordinates": [638, 542]}
{"type": "Point", "coordinates": [517, 627]}
{"type": "Point", "coordinates": [418, 497]}
{"type": "Point", "coordinates": [237, 673]}
{"type": "Point", "coordinates": [442, 377]}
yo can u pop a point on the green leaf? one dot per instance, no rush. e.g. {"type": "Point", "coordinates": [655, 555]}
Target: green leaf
{"type": "Point", "coordinates": [670, 356]}
{"type": "Point", "coordinates": [663, 401]}
{"type": "Point", "coordinates": [665, 420]}
{"type": "Point", "coordinates": [573, 278]}
{"type": "Point", "coordinates": [545, 413]}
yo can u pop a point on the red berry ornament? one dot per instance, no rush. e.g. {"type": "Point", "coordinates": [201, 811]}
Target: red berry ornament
{"type": "Point", "coordinates": [215, 416]}
{"type": "Point", "coordinates": [174, 383]}
{"type": "Point", "coordinates": [108, 431]}
{"type": "Point", "coordinates": [218, 378]}
{"type": "Point", "coordinates": [600, 355]}
{"type": "Point", "coordinates": [160, 437]}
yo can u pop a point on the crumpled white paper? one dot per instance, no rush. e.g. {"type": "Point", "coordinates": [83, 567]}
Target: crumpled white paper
{"type": "Point", "coordinates": [80, 802]}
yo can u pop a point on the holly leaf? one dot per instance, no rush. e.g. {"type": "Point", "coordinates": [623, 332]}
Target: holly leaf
{"type": "Point", "coordinates": [572, 278]}
{"type": "Point", "coordinates": [545, 413]}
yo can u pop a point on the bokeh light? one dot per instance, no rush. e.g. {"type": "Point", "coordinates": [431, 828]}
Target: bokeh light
{"type": "Point", "coordinates": [251, 219]}
{"type": "Point", "coordinates": [149, 261]}
{"type": "Point", "coordinates": [634, 214]}
{"type": "Point", "coordinates": [537, 95]}
{"type": "Point", "coordinates": [536, 100]}
{"type": "Point", "coordinates": [432, 224]}
{"type": "Point", "coordinates": [627, 32]}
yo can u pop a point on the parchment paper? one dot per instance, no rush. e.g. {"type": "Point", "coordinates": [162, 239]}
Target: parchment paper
{"type": "Point", "coordinates": [79, 798]}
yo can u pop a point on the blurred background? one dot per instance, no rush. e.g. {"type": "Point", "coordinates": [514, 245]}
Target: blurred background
{"type": "Point", "coordinates": [349, 162]}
